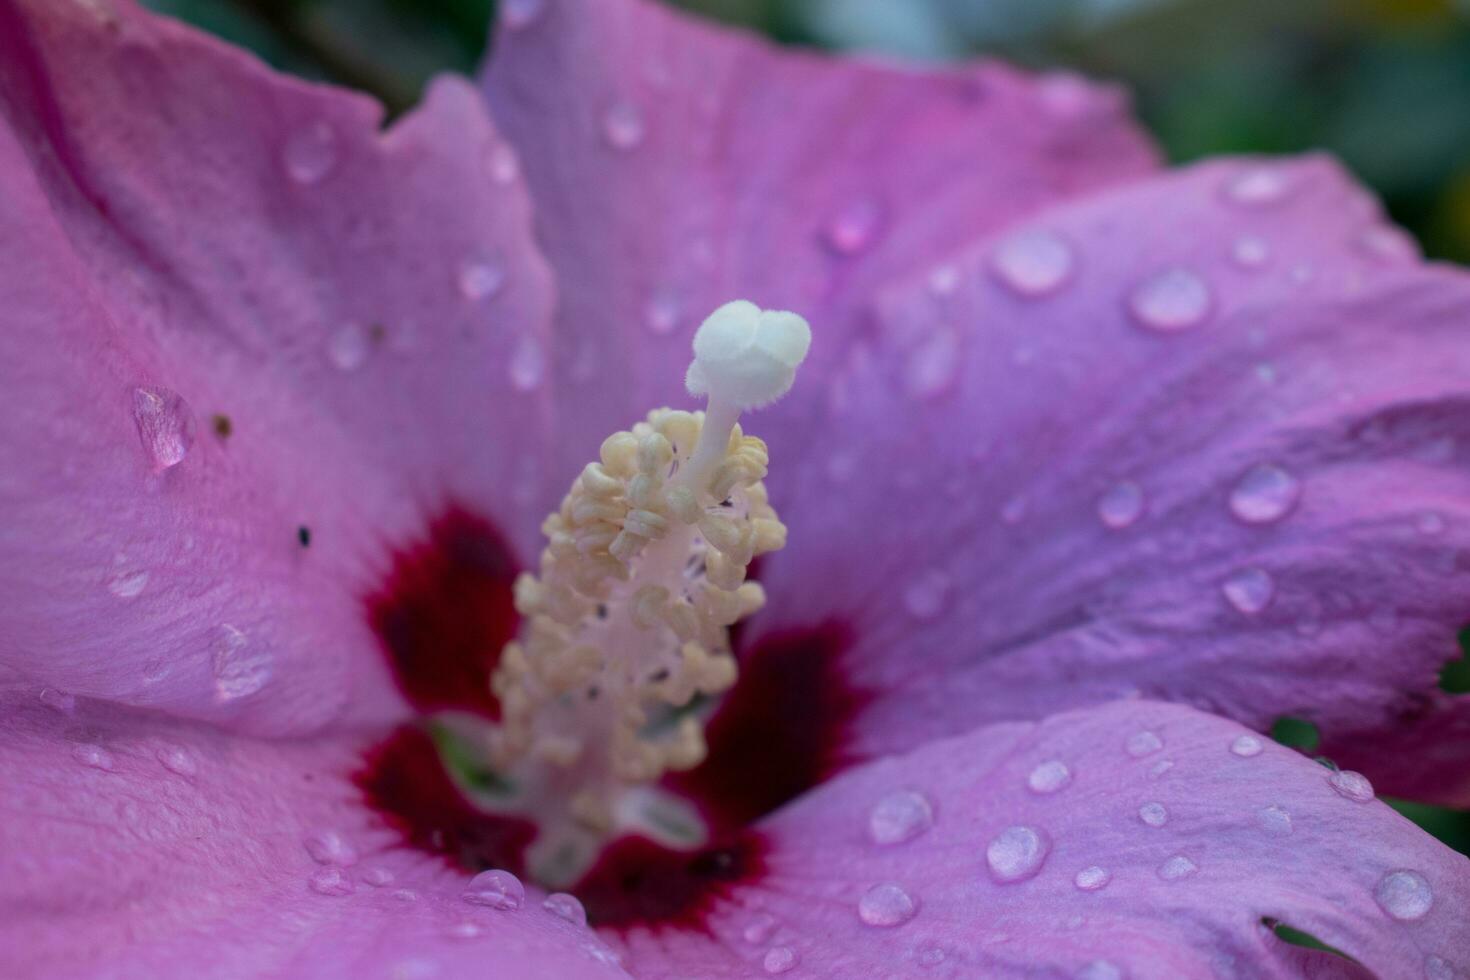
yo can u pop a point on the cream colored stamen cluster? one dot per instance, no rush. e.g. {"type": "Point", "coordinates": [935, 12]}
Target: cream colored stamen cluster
{"type": "Point", "coordinates": [625, 635]}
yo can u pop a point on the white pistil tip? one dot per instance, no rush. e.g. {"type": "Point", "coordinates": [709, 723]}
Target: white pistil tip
{"type": "Point", "coordinates": [746, 356]}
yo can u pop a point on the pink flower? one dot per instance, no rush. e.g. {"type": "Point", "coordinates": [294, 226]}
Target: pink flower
{"type": "Point", "coordinates": [1093, 469]}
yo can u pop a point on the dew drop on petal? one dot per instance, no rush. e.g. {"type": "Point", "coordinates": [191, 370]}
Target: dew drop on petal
{"type": "Point", "coordinates": [404, 895]}
{"type": "Point", "coordinates": [1351, 785]}
{"type": "Point", "coordinates": [1249, 590]}
{"type": "Point", "coordinates": [465, 930]}
{"type": "Point", "coordinates": [330, 881]}
{"type": "Point", "coordinates": [479, 278]}
{"type": "Point", "coordinates": [1177, 867]}
{"type": "Point", "coordinates": [1153, 814]}
{"type": "Point", "coordinates": [310, 153]}
{"type": "Point", "coordinates": [1172, 300]}
{"type": "Point", "coordinates": [622, 126]}
{"type": "Point", "coordinates": [779, 959]}
{"type": "Point", "coordinates": [1016, 854]}
{"type": "Point", "coordinates": [165, 426]}
{"type": "Point", "coordinates": [1250, 252]}
{"type": "Point", "coordinates": [505, 166]}
{"type": "Point", "coordinates": [93, 755]}
{"type": "Point", "coordinates": [1404, 895]}
{"type": "Point", "coordinates": [177, 760]}
{"type": "Point", "coordinates": [58, 700]}
{"type": "Point", "coordinates": [519, 14]}
{"type": "Point", "coordinates": [128, 584]}
{"type": "Point", "coordinates": [330, 847]}
{"type": "Point", "coordinates": [759, 929]}
{"type": "Point", "coordinates": [1033, 263]}
{"type": "Point", "coordinates": [886, 905]}
{"type": "Point", "coordinates": [661, 313]}
{"type": "Point", "coordinates": [1049, 777]}
{"type": "Point", "coordinates": [1143, 743]}
{"type": "Point", "coordinates": [927, 595]}
{"type": "Point", "coordinates": [527, 364]}
{"type": "Point", "coordinates": [1257, 186]}
{"type": "Point", "coordinates": [1246, 746]}
{"type": "Point", "coordinates": [1121, 506]}
{"type": "Point", "coordinates": [854, 227]}
{"type": "Point", "coordinates": [1264, 494]}
{"type": "Point", "coordinates": [567, 907]}
{"type": "Point", "coordinates": [1092, 879]}
{"type": "Point", "coordinates": [1429, 523]}
{"type": "Point", "coordinates": [240, 667]}
{"type": "Point", "coordinates": [349, 346]}
{"type": "Point", "coordinates": [931, 368]}
{"type": "Point", "coordinates": [1100, 970]}
{"type": "Point", "coordinates": [377, 877]}
{"type": "Point", "coordinates": [1274, 820]}
{"type": "Point", "coordinates": [900, 817]}
{"type": "Point", "coordinates": [496, 889]}
{"type": "Point", "coordinates": [1439, 968]}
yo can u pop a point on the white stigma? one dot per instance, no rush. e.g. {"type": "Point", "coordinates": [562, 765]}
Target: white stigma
{"type": "Point", "coordinates": [625, 638]}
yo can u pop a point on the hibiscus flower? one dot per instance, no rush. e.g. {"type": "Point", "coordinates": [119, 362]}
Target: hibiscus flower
{"type": "Point", "coordinates": [1092, 471]}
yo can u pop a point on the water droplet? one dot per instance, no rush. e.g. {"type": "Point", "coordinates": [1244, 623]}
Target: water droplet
{"type": "Point", "coordinates": [349, 346]}
{"type": "Point", "coordinates": [779, 959]}
{"type": "Point", "coordinates": [1429, 523]}
{"type": "Point", "coordinates": [177, 760]}
{"type": "Point", "coordinates": [95, 756]}
{"type": "Point", "coordinates": [1033, 263]}
{"type": "Point", "coordinates": [240, 667]}
{"type": "Point", "coordinates": [330, 847]}
{"type": "Point", "coordinates": [165, 426]}
{"type": "Point", "coordinates": [465, 930]}
{"type": "Point", "coordinates": [1121, 506]}
{"type": "Point", "coordinates": [1092, 879]}
{"type": "Point", "coordinates": [886, 905]}
{"type": "Point", "coordinates": [1274, 820]}
{"type": "Point", "coordinates": [404, 895]}
{"type": "Point", "coordinates": [1351, 785]}
{"type": "Point", "coordinates": [1153, 814]}
{"type": "Point", "coordinates": [661, 312]}
{"type": "Point", "coordinates": [1177, 867]}
{"type": "Point", "coordinates": [1016, 854]}
{"type": "Point", "coordinates": [527, 364]}
{"type": "Point", "coordinates": [931, 956]}
{"type": "Point", "coordinates": [1250, 252]}
{"type": "Point", "coordinates": [480, 278]}
{"type": "Point", "coordinates": [519, 14]}
{"type": "Point", "coordinates": [1438, 968]}
{"type": "Point", "coordinates": [377, 877]}
{"type": "Point", "coordinates": [1257, 186]}
{"type": "Point", "coordinates": [759, 929]}
{"type": "Point", "coordinates": [496, 889]}
{"type": "Point", "coordinates": [1172, 300]}
{"type": "Point", "coordinates": [128, 585]}
{"type": "Point", "coordinates": [1100, 970]}
{"type": "Point", "coordinates": [1143, 743]}
{"type": "Point", "coordinates": [1404, 895]}
{"type": "Point", "coordinates": [1264, 494]}
{"type": "Point", "coordinates": [58, 700]}
{"type": "Point", "coordinates": [1246, 746]}
{"type": "Point", "coordinates": [1249, 590]}
{"type": "Point", "coordinates": [310, 153]}
{"type": "Point", "coordinates": [854, 227]}
{"type": "Point", "coordinates": [622, 126]}
{"type": "Point", "coordinates": [331, 881]}
{"type": "Point", "coordinates": [933, 365]}
{"type": "Point", "coordinates": [1159, 768]}
{"type": "Point", "coordinates": [1049, 776]}
{"type": "Point", "coordinates": [926, 596]}
{"type": "Point", "coordinates": [899, 817]}
{"type": "Point", "coordinates": [567, 907]}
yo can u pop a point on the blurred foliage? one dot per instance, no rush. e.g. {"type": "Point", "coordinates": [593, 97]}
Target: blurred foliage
{"type": "Point", "coordinates": [1384, 84]}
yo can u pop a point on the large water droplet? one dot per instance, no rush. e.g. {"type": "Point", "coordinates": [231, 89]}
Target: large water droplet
{"type": "Point", "coordinates": [1016, 854]}
{"type": "Point", "coordinates": [527, 364]}
{"type": "Point", "coordinates": [779, 959]}
{"type": "Point", "coordinates": [496, 889]}
{"type": "Point", "coordinates": [1250, 252]}
{"type": "Point", "coordinates": [331, 881]}
{"type": "Point", "coordinates": [1153, 814]}
{"type": "Point", "coordinates": [519, 14]}
{"type": "Point", "coordinates": [349, 346]}
{"type": "Point", "coordinates": [1092, 879]}
{"type": "Point", "coordinates": [1177, 867]}
{"type": "Point", "coordinates": [95, 756]}
{"type": "Point", "coordinates": [1246, 746]}
{"type": "Point", "coordinates": [899, 817]}
{"type": "Point", "coordinates": [854, 227]}
{"type": "Point", "coordinates": [240, 667]}
{"type": "Point", "coordinates": [1249, 590]}
{"type": "Point", "coordinates": [1405, 895]}
{"type": "Point", "coordinates": [1121, 506]}
{"type": "Point", "coordinates": [177, 760]}
{"type": "Point", "coordinates": [1264, 494]}
{"type": "Point", "coordinates": [310, 153]}
{"type": "Point", "coordinates": [128, 584]}
{"type": "Point", "coordinates": [479, 278]}
{"type": "Point", "coordinates": [1257, 186]}
{"type": "Point", "coordinates": [1172, 300]}
{"type": "Point", "coordinates": [886, 905]}
{"type": "Point", "coordinates": [165, 426]}
{"type": "Point", "coordinates": [1048, 777]}
{"type": "Point", "coordinates": [1351, 785]}
{"type": "Point", "coordinates": [1033, 263]}
{"type": "Point", "coordinates": [1143, 743]}
{"type": "Point", "coordinates": [567, 907]}
{"type": "Point", "coordinates": [1274, 820]}
{"type": "Point", "coordinates": [622, 126]}
{"type": "Point", "coordinates": [927, 595]}
{"type": "Point", "coordinates": [330, 847]}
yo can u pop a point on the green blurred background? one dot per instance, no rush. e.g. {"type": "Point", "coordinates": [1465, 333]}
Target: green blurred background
{"type": "Point", "coordinates": [1383, 84]}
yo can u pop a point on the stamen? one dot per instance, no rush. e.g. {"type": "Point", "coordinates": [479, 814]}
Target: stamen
{"type": "Point", "coordinates": [625, 640]}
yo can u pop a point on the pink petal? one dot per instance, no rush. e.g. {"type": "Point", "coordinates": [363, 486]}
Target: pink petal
{"type": "Point", "coordinates": [1129, 835]}
{"type": "Point", "coordinates": [144, 848]}
{"type": "Point", "coordinates": [189, 238]}
{"type": "Point", "coordinates": [676, 166]}
{"type": "Point", "coordinates": [1078, 492]}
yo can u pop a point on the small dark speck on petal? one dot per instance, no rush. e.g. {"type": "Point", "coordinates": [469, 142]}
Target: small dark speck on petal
{"type": "Point", "coordinates": [303, 535]}
{"type": "Point", "coordinates": [222, 425]}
